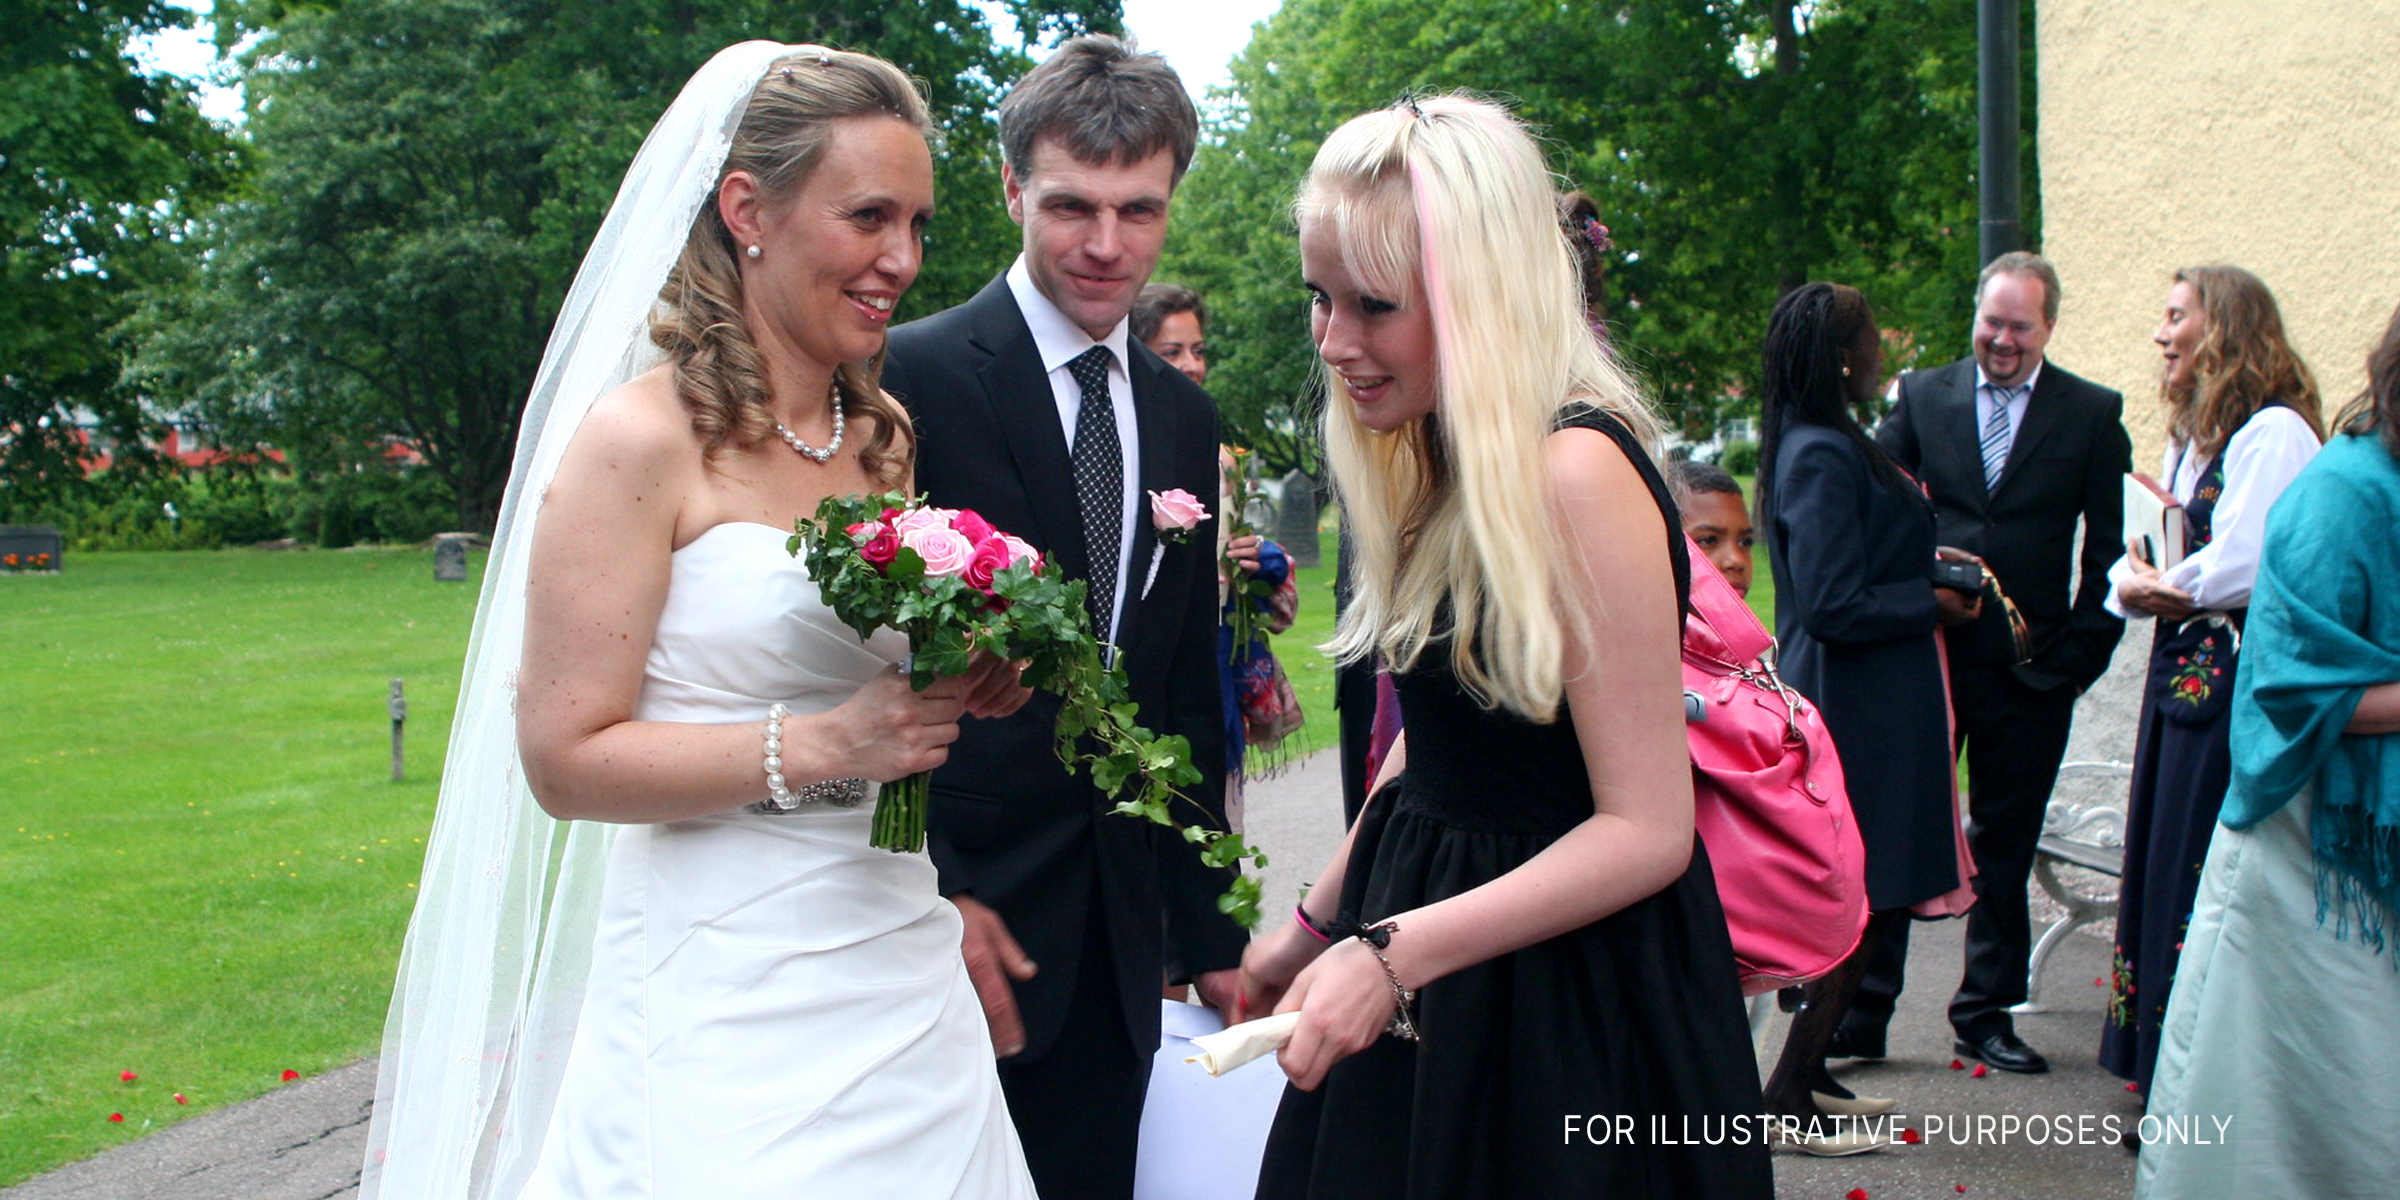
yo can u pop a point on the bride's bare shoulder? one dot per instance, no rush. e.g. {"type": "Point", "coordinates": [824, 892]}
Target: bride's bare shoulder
{"type": "Point", "coordinates": [639, 423]}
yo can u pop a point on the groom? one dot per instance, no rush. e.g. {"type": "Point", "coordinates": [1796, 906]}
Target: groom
{"type": "Point", "coordinates": [1034, 407]}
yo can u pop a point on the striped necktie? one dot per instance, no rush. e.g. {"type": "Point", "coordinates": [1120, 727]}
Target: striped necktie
{"type": "Point", "coordinates": [1995, 435]}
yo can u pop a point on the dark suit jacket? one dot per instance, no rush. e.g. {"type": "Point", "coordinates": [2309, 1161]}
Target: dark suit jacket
{"type": "Point", "coordinates": [2068, 460]}
{"type": "Point", "coordinates": [1007, 824]}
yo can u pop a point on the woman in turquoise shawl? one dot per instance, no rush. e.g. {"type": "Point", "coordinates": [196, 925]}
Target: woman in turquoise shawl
{"type": "Point", "coordinates": [2278, 1046]}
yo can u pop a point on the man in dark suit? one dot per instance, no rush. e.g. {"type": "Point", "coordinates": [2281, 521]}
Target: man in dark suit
{"type": "Point", "coordinates": [2015, 451]}
{"type": "Point", "coordinates": [1034, 407]}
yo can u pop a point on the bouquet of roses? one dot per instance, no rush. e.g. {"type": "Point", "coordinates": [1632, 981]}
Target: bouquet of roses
{"type": "Point", "coordinates": [956, 586]}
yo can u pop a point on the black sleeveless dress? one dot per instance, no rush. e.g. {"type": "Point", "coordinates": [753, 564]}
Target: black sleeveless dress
{"type": "Point", "coordinates": [1632, 1026]}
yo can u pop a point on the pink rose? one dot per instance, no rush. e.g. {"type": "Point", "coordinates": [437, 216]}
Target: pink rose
{"type": "Point", "coordinates": [944, 552]}
{"type": "Point", "coordinates": [880, 550]}
{"type": "Point", "coordinates": [1022, 551]}
{"type": "Point", "coordinates": [864, 532]}
{"type": "Point", "coordinates": [971, 526]}
{"type": "Point", "coordinates": [990, 555]}
{"type": "Point", "coordinates": [927, 517]}
{"type": "Point", "coordinates": [1175, 513]}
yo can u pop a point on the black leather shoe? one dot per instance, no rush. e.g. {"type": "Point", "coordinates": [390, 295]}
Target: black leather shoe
{"type": "Point", "coordinates": [2006, 1051]}
{"type": "Point", "coordinates": [1853, 1043]}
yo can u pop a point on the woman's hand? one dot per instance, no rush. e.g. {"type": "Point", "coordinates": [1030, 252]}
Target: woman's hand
{"type": "Point", "coordinates": [887, 730]}
{"type": "Point", "coordinates": [2144, 591]}
{"type": "Point", "coordinates": [1271, 963]}
{"type": "Point", "coordinates": [1953, 607]}
{"type": "Point", "coordinates": [994, 687]}
{"type": "Point", "coordinates": [1345, 1002]}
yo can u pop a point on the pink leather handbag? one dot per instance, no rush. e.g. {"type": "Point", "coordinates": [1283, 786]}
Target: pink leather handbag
{"type": "Point", "coordinates": [1768, 797]}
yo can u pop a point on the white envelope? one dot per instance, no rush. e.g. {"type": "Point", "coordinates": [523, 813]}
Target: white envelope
{"type": "Point", "coordinates": [1202, 1135]}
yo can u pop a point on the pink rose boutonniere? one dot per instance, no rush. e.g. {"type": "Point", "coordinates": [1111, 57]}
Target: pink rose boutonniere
{"type": "Point", "coordinates": [1175, 513]}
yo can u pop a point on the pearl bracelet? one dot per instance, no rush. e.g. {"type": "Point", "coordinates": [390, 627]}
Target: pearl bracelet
{"type": "Point", "coordinates": [840, 793]}
{"type": "Point", "coordinates": [779, 798]}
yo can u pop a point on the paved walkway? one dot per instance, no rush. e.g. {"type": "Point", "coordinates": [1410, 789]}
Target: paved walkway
{"type": "Point", "coordinates": [305, 1142]}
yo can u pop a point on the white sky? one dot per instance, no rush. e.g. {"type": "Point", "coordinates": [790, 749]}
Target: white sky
{"type": "Point", "coordinates": [1198, 38]}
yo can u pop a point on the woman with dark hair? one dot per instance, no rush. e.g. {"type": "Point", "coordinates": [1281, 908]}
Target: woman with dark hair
{"type": "Point", "coordinates": [1850, 538]}
{"type": "Point", "coordinates": [2280, 1030]}
{"type": "Point", "coordinates": [2242, 420]}
{"type": "Point", "coordinates": [1579, 219]}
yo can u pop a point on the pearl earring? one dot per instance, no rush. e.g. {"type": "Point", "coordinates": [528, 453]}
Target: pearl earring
{"type": "Point", "coordinates": [754, 254]}
{"type": "Point", "coordinates": [1845, 370]}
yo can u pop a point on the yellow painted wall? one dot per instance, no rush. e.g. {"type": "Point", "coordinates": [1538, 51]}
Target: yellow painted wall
{"type": "Point", "coordinates": [2264, 133]}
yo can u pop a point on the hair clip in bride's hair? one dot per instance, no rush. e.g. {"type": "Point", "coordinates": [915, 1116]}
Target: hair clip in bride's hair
{"type": "Point", "coordinates": [1410, 103]}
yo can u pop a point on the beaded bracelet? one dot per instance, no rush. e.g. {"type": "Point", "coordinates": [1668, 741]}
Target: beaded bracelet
{"type": "Point", "coordinates": [840, 793]}
{"type": "Point", "coordinates": [779, 798]}
{"type": "Point", "coordinates": [1377, 937]}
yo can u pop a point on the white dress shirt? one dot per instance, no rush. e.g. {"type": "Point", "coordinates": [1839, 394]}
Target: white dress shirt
{"type": "Point", "coordinates": [2260, 461]}
{"type": "Point", "coordinates": [1060, 342]}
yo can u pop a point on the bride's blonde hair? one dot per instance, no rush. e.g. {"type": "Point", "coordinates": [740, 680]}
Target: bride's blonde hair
{"type": "Point", "coordinates": [1449, 515]}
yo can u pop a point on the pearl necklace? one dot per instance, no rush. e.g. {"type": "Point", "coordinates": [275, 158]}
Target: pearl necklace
{"type": "Point", "coordinates": [813, 453]}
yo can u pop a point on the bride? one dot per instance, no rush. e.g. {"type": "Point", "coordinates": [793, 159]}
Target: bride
{"type": "Point", "coordinates": [685, 972]}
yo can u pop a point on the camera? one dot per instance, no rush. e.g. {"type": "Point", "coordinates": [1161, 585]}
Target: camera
{"type": "Point", "coordinates": [1964, 577]}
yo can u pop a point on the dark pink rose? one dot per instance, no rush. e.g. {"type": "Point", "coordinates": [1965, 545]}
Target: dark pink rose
{"type": "Point", "coordinates": [881, 549]}
{"type": "Point", "coordinates": [972, 526]}
{"type": "Point", "coordinates": [990, 555]}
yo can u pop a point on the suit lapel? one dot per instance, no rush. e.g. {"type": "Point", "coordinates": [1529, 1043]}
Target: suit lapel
{"type": "Point", "coordinates": [1154, 417]}
{"type": "Point", "coordinates": [2041, 414]}
{"type": "Point", "coordinates": [1963, 440]}
{"type": "Point", "coordinates": [1026, 412]}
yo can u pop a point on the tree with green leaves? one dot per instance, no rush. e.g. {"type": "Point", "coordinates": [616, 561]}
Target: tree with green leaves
{"type": "Point", "coordinates": [429, 171]}
{"type": "Point", "coordinates": [1736, 147]}
{"type": "Point", "coordinates": [98, 161]}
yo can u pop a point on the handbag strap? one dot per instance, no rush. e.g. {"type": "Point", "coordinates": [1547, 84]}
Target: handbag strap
{"type": "Point", "coordinates": [1723, 610]}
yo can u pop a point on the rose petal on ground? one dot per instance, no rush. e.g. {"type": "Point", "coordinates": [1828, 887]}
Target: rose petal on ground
{"type": "Point", "coordinates": [1956, 1065]}
{"type": "Point", "coordinates": [116, 1118]}
{"type": "Point", "coordinates": [290, 1074]}
{"type": "Point", "coordinates": [127, 1076]}
{"type": "Point", "coordinates": [1981, 1070]}
{"type": "Point", "coordinates": [1911, 1137]}
{"type": "Point", "coordinates": [180, 1100]}
{"type": "Point", "coordinates": [1855, 1194]}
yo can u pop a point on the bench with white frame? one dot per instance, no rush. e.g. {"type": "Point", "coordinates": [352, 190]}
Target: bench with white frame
{"type": "Point", "coordinates": [2087, 833]}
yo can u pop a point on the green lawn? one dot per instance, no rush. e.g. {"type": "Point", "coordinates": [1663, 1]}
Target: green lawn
{"type": "Point", "coordinates": [208, 866]}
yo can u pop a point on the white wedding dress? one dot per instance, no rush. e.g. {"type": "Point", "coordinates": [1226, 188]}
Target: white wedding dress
{"type": "Point", "coordinates": [775, 1008]}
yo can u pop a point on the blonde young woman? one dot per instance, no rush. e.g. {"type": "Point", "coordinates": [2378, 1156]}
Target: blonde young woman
{"type": "Point", "coordinates": [686, 973]}
{"type": "Point", "coordinates": [1525, 927]}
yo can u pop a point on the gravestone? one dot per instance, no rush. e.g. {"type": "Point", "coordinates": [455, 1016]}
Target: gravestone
{"type": "Point", "coordinates": [31, 550]}
{"type": "Point", "coordinates": [450, 557]}
{"type": "Point", "coordinates": [1296, 520]}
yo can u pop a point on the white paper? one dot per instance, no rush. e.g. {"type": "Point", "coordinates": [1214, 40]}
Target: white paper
{"type": "Point", "coordinates": [1202, 1135]}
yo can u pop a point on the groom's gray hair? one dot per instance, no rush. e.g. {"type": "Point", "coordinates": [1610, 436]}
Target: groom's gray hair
{"type": "Point", "coordinates": [1104, 102]}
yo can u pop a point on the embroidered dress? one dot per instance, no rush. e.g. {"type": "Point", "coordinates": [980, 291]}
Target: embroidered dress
{"type": "Point", "coordinates": [2181, 764]}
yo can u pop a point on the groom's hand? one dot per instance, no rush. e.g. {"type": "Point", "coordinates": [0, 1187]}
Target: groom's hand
{"type": "Point", "coordinates": [993, 959]}
{"type": "Point", "coordinates": [1222, 991]}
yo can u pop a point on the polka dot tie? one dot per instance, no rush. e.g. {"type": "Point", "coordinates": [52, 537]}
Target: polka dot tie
{"type": "Point", "coordinates": [1099, 463]}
